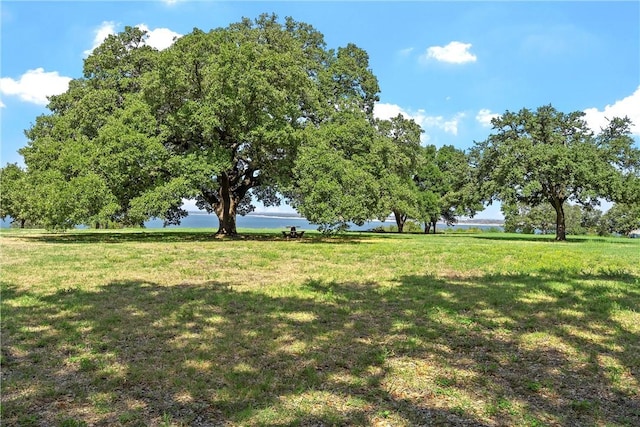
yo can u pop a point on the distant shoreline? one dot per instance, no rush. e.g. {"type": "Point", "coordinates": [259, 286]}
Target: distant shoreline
{"type": "Point", "coordinates": [278, 220]}
{"type": "Point", "coordinates": [204, 219]}
{"type": "Point", "coordinates": [294, 216]}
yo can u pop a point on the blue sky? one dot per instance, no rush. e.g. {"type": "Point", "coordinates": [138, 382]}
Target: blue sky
{"type": "Point", "coordinates": [449, 65]}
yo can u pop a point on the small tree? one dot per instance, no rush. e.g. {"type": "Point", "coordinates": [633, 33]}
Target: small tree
{"type": "Point", "coordinates": [621, 218]}
{"type": "Point", "coordinates": [547, 156]}
{"type": "Point", "coordinates": [14, 194]}
{"type": "Point", "coordinates": [590, 220]}
{"type": "Point", "coordinates": [336, 173]}
{"type": "Point", "coordinates": [444, 180]}
{"type": "Point", "coordinates": [399, 159]}
{"type": "Point", "coordinates": [528, 220]}
{"type": "Point", "coordinates": [541, 219]}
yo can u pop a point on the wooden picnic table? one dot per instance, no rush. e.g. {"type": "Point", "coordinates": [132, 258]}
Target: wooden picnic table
{"type": "Point", "coordinates": [292, 233]}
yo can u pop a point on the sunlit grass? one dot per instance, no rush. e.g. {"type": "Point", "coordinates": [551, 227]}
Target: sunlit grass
{"type": "Point", "coordinates": [181, 328]}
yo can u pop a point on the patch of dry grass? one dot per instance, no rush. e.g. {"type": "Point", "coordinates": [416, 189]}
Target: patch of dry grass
{"type": "Point", "coordinates": [177, 328]}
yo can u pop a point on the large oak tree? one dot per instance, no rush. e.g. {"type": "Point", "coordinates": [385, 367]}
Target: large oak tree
{"type": "Point", "coordinates": [243, 95]}
{"type": "Point", "coordinates": [546, 156]}
{"type": "Point", "coordinates": [219, 116]}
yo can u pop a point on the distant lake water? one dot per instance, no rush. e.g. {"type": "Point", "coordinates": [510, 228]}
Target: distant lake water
{"type": "Point", "coordinates": [279, 221]}
{"type": "Point", "coordinates": [254, 220]}
{"type": "Point", "coordinates": [276, 221]}
{"type": "Point", "coordinates": [203, 220]}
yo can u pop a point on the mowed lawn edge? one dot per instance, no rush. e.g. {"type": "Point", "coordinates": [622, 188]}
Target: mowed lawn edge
{"type": "Point", "coordinates": [177, 327]}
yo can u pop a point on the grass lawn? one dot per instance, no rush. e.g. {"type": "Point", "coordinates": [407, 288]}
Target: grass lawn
{"type": "Point", "coordinates": [179, 328]}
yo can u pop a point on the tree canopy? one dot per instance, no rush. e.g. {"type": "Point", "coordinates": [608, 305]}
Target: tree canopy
{"type": "Point", "coordinates": [218, 116]}
{"type": "Point", "coordinates": [336, 173]}
{"type": "Point", "coordinates": [399, 162]}
{"type": "Point", "coordinates": [355, 168]}
{"type": "Point", "coordinates": [14, 194]}
{"type": "Point", "coordinates": [546, 156]}
{"type": "Point", "coordinates": [244, 95]}
{"type": "Point", "coordinates": [622, 218]}
{"type": "Point", "coordinates": [444, 180]}
{"type": "Point", "coordinates": [100, 148]}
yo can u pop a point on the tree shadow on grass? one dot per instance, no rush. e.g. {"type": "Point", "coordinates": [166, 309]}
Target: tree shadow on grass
{"type": "Point", "coordinates": [178, 235]}
{"type": "Point", "coordinates": [492, 350]}
{"type": "Point", "coordinates": [566, 343]}
{"type": "Point", "coordinates": [545, 238]}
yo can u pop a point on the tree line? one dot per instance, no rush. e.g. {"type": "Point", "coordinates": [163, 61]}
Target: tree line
{"type": "Point", "coordinates": [264, 110]}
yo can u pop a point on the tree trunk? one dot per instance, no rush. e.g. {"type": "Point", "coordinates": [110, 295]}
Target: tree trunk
{"type": "Point", "coordinates": [427, 227]}
{"type": "Point", "coordinates": [22, 222]}
{"type": "Point", "coordinates": [433, 223]}
{"type": "Point", "coordinates": [227, 223]}
{"type": "Point", "coordinates": [400, 220]}
{"type": "Point", "coordinates": [561, 230]}
{"type": "Point", "coordinates": [226, 209]}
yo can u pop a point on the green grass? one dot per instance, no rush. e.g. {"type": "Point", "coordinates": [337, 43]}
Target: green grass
{"type": "Point", "coordinates": [181, 328]}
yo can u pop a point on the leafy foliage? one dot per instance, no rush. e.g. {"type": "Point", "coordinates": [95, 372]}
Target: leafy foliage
{"type": "Point", "coordinates": [100, 148]}
{"type": "Point", "coordinates": [622, 218]}
{"type": "Point", "coordinates": [354, 169]}
{"type": "Point", "coordinates": [14, 195]}
{"type": "Point", "coordinates": [336, 173]}
{"type": "Point", "coordinates": [551, 157]}
{"type": "Point", "coordinates": [399, 160]}
{"type": "Point", "coordinates": [445, 183]}
{"type": "Point", "coordinates": [218, 116]}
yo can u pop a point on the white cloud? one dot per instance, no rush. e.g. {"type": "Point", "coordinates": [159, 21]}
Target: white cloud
{"type": "Point", "coordinates": [384, 111]}
{"type": "Point", "coordinates": [2, 104]}
{"type": "Point", "coordinates": [629, 106]}
{"type": "Point", "coordinates": [159, 38]}
{"type": "Point", "coordinates": [439, 122]}
{"type": "Point", "coordinates": [35, 85]}
{"type": "Point", "coordinates": [101, 33]}
{"type": "Point", "coordinates": [405, 52]}
{"type": "Point", "coordinates": [484, 117]}
{"type": "Point", "coordinates": [453, 53]}
{"type": "Point", "coordinates": [449, 125]}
